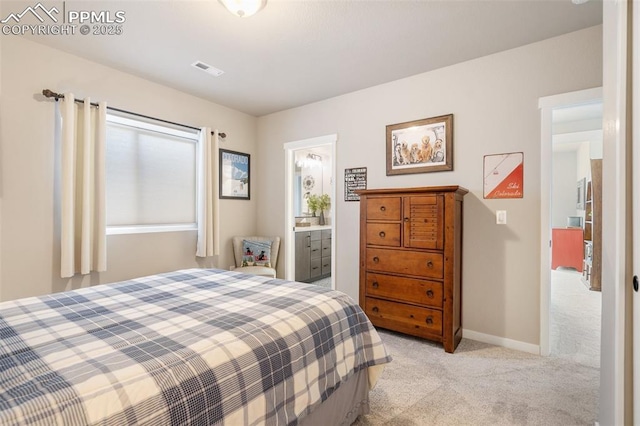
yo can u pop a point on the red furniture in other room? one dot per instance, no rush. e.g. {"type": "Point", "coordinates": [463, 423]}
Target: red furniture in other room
{"type": "Point", "coordinates": [567, 248]}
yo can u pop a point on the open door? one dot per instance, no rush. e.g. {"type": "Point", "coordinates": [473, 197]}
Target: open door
{"type": "Point", "coordinates": [326, 145]}
{"type": "Point", "coordinates": [550, 105]}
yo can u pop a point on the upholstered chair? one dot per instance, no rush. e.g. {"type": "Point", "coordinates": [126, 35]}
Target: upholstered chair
{"type": "Point", "coordinates": [250, 260]}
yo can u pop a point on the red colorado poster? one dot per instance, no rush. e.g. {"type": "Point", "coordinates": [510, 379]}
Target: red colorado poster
{"type": "Point", "coordinates": [504, 175]}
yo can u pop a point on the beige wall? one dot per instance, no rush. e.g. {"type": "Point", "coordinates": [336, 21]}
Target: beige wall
{"type": "Point", "coordinates": [29, 245]}
{"type": "Point", "coordinates": [1, 192]}
{"type": "Point", "coordinates": [563, 202]}
{"type": "Point", "coordinates": [494, 100]}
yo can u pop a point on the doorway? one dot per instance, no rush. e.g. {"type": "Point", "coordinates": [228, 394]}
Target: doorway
{"type": "Point", "coordinates": [310, 170]}
{"type": "Point", "coordinates": [571, 136]}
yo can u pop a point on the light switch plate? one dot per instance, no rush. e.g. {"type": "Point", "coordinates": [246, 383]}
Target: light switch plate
{"type": "Point", "coordinates": [501, 217]}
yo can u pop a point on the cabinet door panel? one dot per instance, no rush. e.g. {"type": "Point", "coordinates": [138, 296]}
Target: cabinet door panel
{"type": "Point", "coordinates": [423, 222]}
{"type": "Point", "coordinates": [303, 241]}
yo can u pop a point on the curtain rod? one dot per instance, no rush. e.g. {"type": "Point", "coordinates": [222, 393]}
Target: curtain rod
{"type": "Point", "coordinates": [50, 94]}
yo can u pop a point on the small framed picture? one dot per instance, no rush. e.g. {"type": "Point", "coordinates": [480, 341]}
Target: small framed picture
{"type": "Point", "coordinates": [504, 175]}
{"type": "Point", "coordinates": [235, 175]}
{"type": "Point", "coordinates": [580, 194]}
{"type": "Point", "coordinates": [420, 146]}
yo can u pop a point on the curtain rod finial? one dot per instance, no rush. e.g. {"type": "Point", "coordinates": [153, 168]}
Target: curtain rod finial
{"type": "Point", "coordinates": [50, 94]}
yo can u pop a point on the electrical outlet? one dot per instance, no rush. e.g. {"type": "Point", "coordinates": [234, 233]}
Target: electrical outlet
{"type": "Point", "coordinates": [501, 217]}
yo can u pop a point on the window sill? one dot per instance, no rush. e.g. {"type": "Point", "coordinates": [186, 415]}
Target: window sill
{"type": "Point", "coordinates": [146, 229]}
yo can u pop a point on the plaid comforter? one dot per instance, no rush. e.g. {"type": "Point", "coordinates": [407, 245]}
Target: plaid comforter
{"type": "Point", "coordinates": [188, 347]}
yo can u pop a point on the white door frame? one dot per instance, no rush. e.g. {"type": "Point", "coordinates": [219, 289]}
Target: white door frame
{"type": "Point", "coordinates": [635, 126]}
{"type": "Point", "coordinates": [547, 105]}
{"type": "Point", "coordinates": [289, 226]}
{"type": "Point", "coordinates": [616, 184]}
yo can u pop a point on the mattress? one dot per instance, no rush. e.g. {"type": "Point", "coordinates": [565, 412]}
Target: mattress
{"type": "Point", "coordinates": [197, 346]}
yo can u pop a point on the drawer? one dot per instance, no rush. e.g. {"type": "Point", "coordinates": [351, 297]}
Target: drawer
{"type": "Point", "coordinates": [383, 234]}
{"type": "Point", "coordinates": [401, 316]}
{"type": "Point", "coordinates": [326, 246]}
{"type": "Point", "coordinates": [316, 268]}
{"type": "Point", "coordinates": [421, 292]}
{"type": "Point", "coordinates": [326, 265]}
{"type": "Point", "coordinates": [326, 234]}
{"type": "Point", "coordinates": [316, 251]}
{"type": "Point", "coordinates": [424, 264]}
{"type": "Point", "coordinates": [315, 235]}
{"type": "Point", "coordinates": [387, 208]}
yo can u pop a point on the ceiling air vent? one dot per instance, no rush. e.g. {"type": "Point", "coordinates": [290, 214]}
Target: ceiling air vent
{"type": "Point", "coordinates": [207, 68]}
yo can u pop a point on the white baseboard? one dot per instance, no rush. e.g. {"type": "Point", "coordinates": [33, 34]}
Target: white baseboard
{"type": "Point", "coordinates": [501, 341]}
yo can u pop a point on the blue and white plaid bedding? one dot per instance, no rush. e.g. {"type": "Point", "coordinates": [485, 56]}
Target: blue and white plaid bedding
{"type": "Point", "coordinates": [188, 347]}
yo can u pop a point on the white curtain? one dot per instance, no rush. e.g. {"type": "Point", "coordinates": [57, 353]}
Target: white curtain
{"type": "Point", "coordinates": [83, 227]}
{"type": "Point", "coordinates": [208, 208]}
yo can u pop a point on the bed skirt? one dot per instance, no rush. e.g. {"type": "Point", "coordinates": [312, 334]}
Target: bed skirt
{"type": "Point", "coordinates": [344, 405]}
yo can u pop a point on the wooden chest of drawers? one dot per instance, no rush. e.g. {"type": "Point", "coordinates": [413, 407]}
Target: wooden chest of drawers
{"type": "Point", "coordinates": [411, 261]}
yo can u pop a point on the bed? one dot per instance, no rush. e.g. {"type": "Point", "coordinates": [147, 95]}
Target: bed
{"type": "Point", "coordinates": [197, 346]}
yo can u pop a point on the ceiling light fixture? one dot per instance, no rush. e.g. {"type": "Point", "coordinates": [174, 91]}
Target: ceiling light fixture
{"type": "Point", "coordinates": [244, 8]}
{"type": "Point", "coordinates": [579, 1]}
{"type": "Point", "coordinates": [310, 161]}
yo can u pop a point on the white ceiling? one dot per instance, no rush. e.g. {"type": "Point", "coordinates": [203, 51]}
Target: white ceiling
{"type": "Point", "coordinates": [575, 125]}
{"type": "Point", "coordinates": [295, 52]}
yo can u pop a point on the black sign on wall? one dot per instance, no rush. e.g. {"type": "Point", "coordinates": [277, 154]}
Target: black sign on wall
{"type": "Point", "coordinates": [354, 179]}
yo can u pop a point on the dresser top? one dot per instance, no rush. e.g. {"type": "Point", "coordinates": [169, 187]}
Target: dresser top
{"type": "Point", "coordinates": [451, 188]}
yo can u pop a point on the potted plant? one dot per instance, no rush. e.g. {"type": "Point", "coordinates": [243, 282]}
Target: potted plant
{"type": "Point", "coordinates": [324, 201]}
{"type": "Point", "coordinates": [312, 203]}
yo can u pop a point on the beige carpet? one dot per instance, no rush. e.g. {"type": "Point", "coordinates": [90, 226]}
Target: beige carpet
{"type": "Point", "coordinates": [324, 282]}
{"type": "Point", "coordinates": [575, 319]}
{"type": "Point", "coordinates": [483, 384]}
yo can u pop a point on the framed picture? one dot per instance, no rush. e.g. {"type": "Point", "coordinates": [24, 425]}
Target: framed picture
{"type": "Point", "coordinates": [580, 195]}
{"type": "Point", "coordinates": [420, 146]}
{"type": "Point", "coordinates": [354, 179]}
{"type": "Point", "coordinates": [504, 175]}
{"type": "Point", "coordinates": [235, 175]}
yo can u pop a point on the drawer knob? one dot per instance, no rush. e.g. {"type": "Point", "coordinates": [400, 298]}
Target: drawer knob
{"type": "Point", "coordinates": [375, 309]}
{"type": "Point", "coordinates": [382, 234]}
{"type": "Point", "coordinates": [430, 264]}
{"type": "Point", "coordinates": [383, 208]}
{"type": "Point", "coordinates": [376, 259]}
{"type": "Point", "coordinates": [375, 284]}
{"type": "Point", "coordinates": [406, 219]}
{"type": "Point", "coordinates": [430, 294]}
{"type": "Point", "coordinates": [429, 319]}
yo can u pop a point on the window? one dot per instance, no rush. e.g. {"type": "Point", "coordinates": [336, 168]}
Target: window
{"type": "Point", "coordinates": [150, 177]}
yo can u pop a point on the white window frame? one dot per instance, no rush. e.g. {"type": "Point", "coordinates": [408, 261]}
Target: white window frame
{"type": "Point", "coordinates": [144, 125]}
